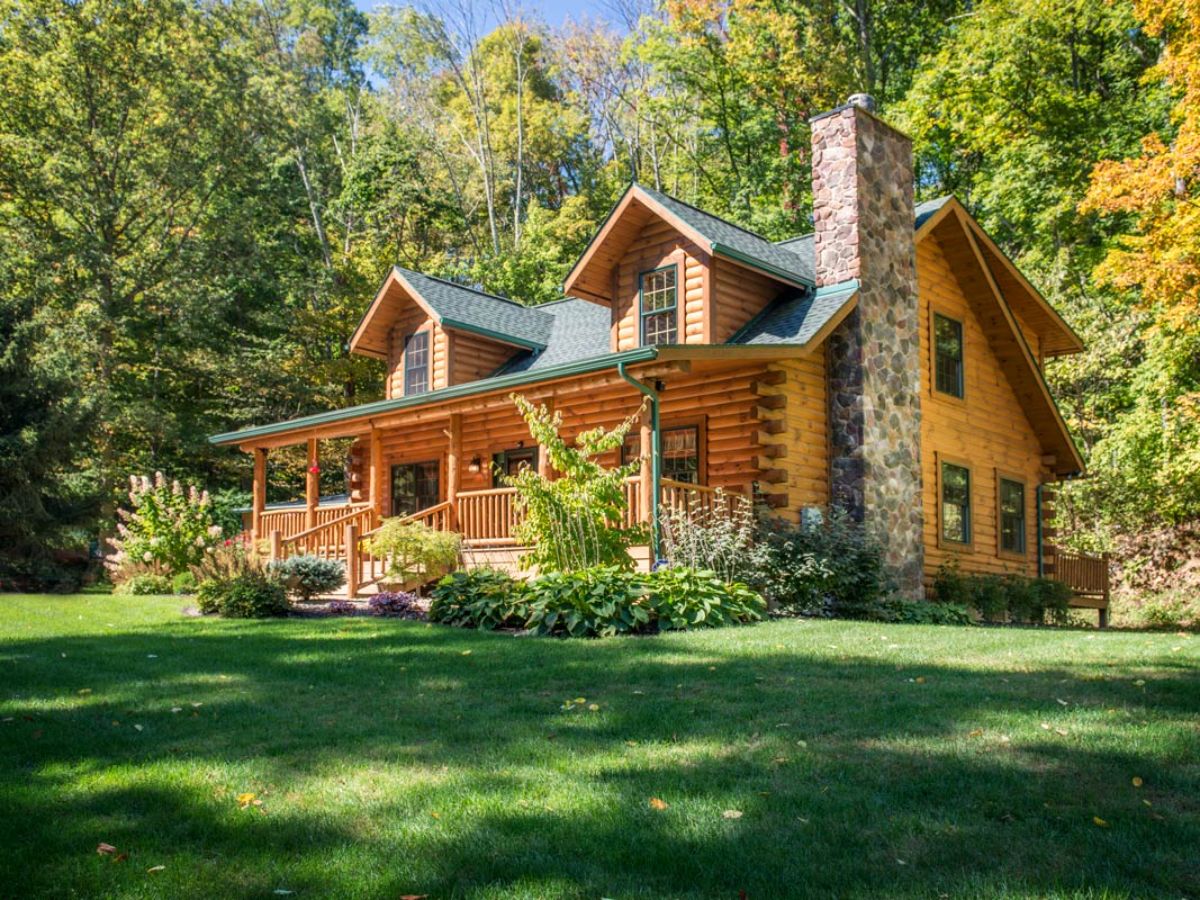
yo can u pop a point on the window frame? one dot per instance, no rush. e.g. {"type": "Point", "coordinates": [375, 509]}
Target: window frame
{"type": "Point", "coordinates": [406, 369]}
{"type": "Point", "coordinates": [935, 314]}
{"type": "Point", "coordinates": [943, 541]}
{"type": "Point", "coordinates": [500, 458]}
{"type": "Point", "coordinates": [393, 465]}
{"type": "Point", "coordinates": [1001, 550]}
{"type": "Point", "coordinates": [673, 309]}
{"type": "Point", "coordinates": [700, 427]}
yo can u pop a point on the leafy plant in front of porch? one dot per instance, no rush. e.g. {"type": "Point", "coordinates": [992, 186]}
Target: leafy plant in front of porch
{"type": "Point", "coordinates": [481, 598]}
{"type": "Point", "coordinates": [416, 553]}
{"type": "Point", "coordinates": [574, 521]}
{"type": "Point", "coordinates": [308, 575]}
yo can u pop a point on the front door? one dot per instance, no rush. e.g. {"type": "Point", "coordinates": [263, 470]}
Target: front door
{"type": "Point", "coordinates": [415, 487]}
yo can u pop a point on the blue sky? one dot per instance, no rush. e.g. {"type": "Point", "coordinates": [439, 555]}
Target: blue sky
{"type": "Point", "coordinates": [553, 11]}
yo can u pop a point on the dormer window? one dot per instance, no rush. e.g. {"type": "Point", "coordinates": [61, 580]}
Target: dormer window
{"type": "Point", "coordinates": [416, 363]}
{"type": "Point", "coordinates": [657, 290]}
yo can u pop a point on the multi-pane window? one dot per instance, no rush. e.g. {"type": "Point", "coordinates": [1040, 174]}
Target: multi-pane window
{"type": "Point", "coordinates": [513, 462]}
{"type": "Point", "coordinates": [659, 306]}
{"type": "Point", "coordinates": [414, 487]}
{"type": "Point", "coordinates": [416, 363]}
{"type": "Point", "coordinates": [680, 453]}
{"type": "Point", "coordinates": [956, 503]}
{"type": "Point", "coordinates": [1012, 516]}
{"type": "Point", "coordinates": [948, 355]}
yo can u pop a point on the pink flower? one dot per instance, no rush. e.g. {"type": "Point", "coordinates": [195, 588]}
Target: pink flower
{"type": "Point", "coordinates": [314, 468]}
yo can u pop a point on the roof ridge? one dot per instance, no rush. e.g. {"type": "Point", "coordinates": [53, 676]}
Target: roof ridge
{"type": "Point", "coordinates": [705, 212]}
{"type": "Point", "coordinates": [467, 287]}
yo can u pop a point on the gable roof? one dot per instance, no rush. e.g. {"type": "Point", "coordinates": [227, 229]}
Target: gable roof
{"type": "Point", "coordinates": [451, 306]}
{"type": "Point", "coordinates": [711, 234]}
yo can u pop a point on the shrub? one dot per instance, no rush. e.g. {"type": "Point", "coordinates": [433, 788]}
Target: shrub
{"type": "Point", "coordinates": [574, 521]}
{"type": "Point", "coordinates": [893, 608]}
{"type": "Point", "coordinates": [307, 575]}
{"type": "Point", "coordinates": [721, 539]}
{"type": "Point", "coordinates": [227, 560]}
{"type": "Point", "coordinates": [415, 552]}
{"type": "Point", "coordinates": [997, 598]}
{"type": "Point", "coordinates": [596, 602]}
{"type": "Point", "coordinates": [183, 583]}
{"type": "Point", "coordinates": [829, 568]}
{"type": "Point", "coordinates": [253, 596]}
{"type": "Point", "coordinates": [210, 595]}
{"type": "Point", "coordinates": [695, 598]}
{"type": "Point", "coordinates": [340, 607]}
{"type": "Point", "coordinates": [145, 584]}
{"type": "Point", "coordinates": [482, 598]}
{"type": "Point", "coordinates": [165, 527]}
{"type": "Point", "coordinates": [398, 604]}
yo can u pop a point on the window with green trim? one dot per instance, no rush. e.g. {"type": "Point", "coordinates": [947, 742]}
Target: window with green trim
{"type": "Point", "coordinates": [658, 292]}
{"type": "Point", "coordinates": [1012, 516]}
{"type": "Point", "coordinates": [680, 460]}
{"type": "Point", "coordinates": [416, 363]}
{"type": "Point", "coordinates": [956, 503]}
{"type": "Point", "coordinates": [948, 355]}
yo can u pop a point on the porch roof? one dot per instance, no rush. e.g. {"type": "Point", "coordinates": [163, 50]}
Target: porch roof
{"type": "Point", "coordinates": [578, 341]}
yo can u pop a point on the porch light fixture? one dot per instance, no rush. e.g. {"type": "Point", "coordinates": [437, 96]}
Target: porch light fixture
{"type": "Point", "coordinates": [474, 465]}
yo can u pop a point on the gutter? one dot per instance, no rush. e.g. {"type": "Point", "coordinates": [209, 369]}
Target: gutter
{"type": "Point", "coordinates": [655, 456]}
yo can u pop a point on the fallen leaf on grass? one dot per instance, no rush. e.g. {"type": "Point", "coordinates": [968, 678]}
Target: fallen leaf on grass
{"type": "Point", "coordinates": [436, 815]}
{"type": "Point", "coordinates": [466, 653]}
{"type": "Point", "coordinates": [656, 803]}
{"type": "Point", "coordinates": [732, 814]}
{"type": "Point", "coordinates": [103, 848]}
{"type": "Point", "coordinates": [1137, 781]}
{"type": "Point", "coordinates": [138, 727]}
{"type": "Point", "coordinates": [1062, 702]}
{"type": "Point", "coordinates": [85, 691]}
{"type": "Point", "coordinates": [978, 732]}
{"type": "Point", "coordinates": [245, 801]}
{"type": "Point", "coordinates": [1099, 821]}
{"type": "Point", "coordinates": [413, 896]}
{"type": "Point", "coordinates": [176, 709]}
{"type": "Point", "coordinates": [920, 679]}
{"type": "Point", "coordinates": [154, 869]}
{"type": "Point", "coordinates": [282, 891]}
{"type": "Point", "coordinates": [594, 707]}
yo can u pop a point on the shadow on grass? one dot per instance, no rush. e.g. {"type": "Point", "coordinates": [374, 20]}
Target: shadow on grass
{"type": "Point", "coordinates": [850, 775]}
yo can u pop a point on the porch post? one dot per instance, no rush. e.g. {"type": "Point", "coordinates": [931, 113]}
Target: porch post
{"type": "Point", "coordinates": [259, 501]}
{"type": "Point", "coordinates": [646, 488]}
{"type": "Point", "coordinates": [453, 467]}
{"type": "Point", "coordinates": [543, 458]}
{"type": "Point", "coordinates": [312, 492]}
{"type": "Point", "coordinates": [376, 477]}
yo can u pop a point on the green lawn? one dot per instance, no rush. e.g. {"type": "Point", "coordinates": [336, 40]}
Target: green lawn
{"type": "Point", "coordinates": [396, 758]}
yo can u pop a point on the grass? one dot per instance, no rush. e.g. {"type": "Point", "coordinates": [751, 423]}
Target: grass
{"type": "Point", "coordinates": [395, 758]}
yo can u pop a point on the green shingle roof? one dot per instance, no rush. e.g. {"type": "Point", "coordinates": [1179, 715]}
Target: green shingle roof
{"type": "Point", "coordinates": [469, 309]}
{"type": "Point", "coordinates": [728, 239]}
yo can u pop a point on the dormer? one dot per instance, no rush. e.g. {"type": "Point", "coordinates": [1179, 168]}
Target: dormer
{"type": "Point", "coordinates": [435, 334]}
{"type": "Point", "coordinates": [672, 274]}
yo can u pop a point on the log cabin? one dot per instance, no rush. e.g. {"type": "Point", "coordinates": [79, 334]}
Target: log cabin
{"type": "Point", "coordinates": [888, 364]}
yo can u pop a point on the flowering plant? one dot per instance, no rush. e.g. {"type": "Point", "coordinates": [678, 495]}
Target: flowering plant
{"type": "Point", "coordinates": [165, 529]}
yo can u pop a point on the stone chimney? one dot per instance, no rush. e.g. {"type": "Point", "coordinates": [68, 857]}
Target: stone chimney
{"type": "Point", "coordinates": [863, 230]}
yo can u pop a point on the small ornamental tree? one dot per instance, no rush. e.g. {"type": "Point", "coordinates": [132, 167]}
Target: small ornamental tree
{"type": "Point", "coordinates": [165, 530]}
{"type": "Point", "coordinates": [574, 521]}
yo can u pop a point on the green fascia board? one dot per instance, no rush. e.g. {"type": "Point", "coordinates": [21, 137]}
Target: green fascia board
{"type": "Point", "coordinates": [483, 385]}
{"type": "Point", "coordinates": [756, 263]}
{"type": "Point", "coordinates": [493, 335]}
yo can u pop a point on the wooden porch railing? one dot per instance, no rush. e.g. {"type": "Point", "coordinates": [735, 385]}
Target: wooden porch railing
{"type": "Point", "coordinates": [699, 499]}
{"type": "Point", "coordinates": [363, 567]}
{"type": "Point", "coordinates": [1087, 576]}
{"type": "Point", "coordinates": [488, 518]}
{"type": "Point", "coordinates": [328, 538]}
{"type": "Point", "coordinates": [290, 522]}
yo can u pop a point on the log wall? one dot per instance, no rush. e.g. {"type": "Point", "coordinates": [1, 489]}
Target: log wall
{"type": "Point", "coordinates": [987, 430]}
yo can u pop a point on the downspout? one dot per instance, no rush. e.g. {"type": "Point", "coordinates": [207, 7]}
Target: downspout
{"type": "Point", "coordinates": [1041, 552]}
{"type": "Point", "coordinates": [655, 456]}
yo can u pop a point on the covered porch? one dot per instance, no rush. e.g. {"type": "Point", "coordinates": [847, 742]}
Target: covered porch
{"type": "Point", "coordinates": [712, 430]}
